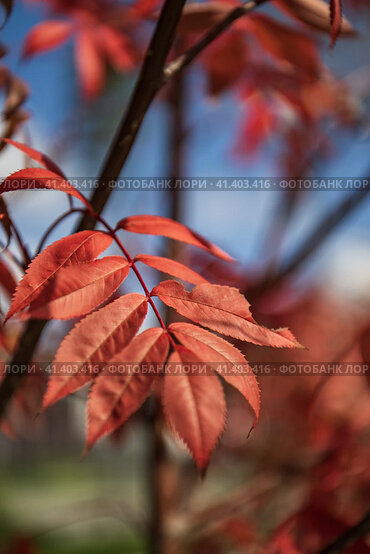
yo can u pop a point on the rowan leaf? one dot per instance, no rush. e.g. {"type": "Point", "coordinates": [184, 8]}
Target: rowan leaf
{"type": "Point", "coordinates": [39, 157]}
{"type": "Point", "coordinates": [39, 178]}
{"type": "Point", "coordinates": [165, 227]}
{"type": "Point", "coordinates": [114, 397]}
{"type": "Point", "coordinates": [46, 36]}
{"type": "Point", "coordinates": [225, 61]}
{"type": "Point", "coordinates": [172, 267]}
{"type": "Point", "coordinates": [76, 290]}
{"type": "Point", "coordinates": [195, 407]}
{"type": "Point", "coordinates": [95, 340]}
{"type": "Point", "coordinates": [222, 357]}
{"type": "Point", "coordinates": [118, 48]}
{"type": "Point", "coordinates": [285, 44]}
{"type": "Point", "coordinates": [78, 248]}
{"type": "Point", "coordinates": [223, 309]}
{"type": "Point", "coordinates": [316, 14]}
{"type": "Point", "coordinates": [260, 123]}
{"type": "Point", "coordinates": [90, 64]}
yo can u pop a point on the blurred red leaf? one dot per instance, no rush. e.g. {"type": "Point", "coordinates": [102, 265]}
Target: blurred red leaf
{"type": "Point", "coordinates": [46, 36]}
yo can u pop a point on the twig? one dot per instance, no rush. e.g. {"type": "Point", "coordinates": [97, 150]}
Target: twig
{"type": "Point", "coordinates": [55, 224]}
{"type": "Point", "coordinates": [189, 56]}
{"type": "Point", "coordinates": [349, 537]}
{"type": "Point", "coordinates": [22, 246]}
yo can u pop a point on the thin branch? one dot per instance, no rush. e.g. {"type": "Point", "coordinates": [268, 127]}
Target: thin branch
{"type": "Point", "coordinates": [22, 246]}
{"type": "Point", "coordinates": [131, 261]}
{"type": "Point", "coordinates": [189, 56]}
{"type": "Point", "coordinates": [55, 223]}
{"type": "Point", "coordinates": [349, 537]}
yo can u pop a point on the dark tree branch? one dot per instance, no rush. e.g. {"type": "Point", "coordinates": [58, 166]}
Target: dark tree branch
{"type": "Point", "coordinates": [349, 537]}
{"type": "Point", "coordinates": [23, 354]}
{"type": "Point", "coordinates": [157, 461]}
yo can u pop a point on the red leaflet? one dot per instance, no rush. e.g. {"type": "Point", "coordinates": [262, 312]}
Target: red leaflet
{"type": "Point", "coordinates": [261, 121]}
{"type": "Point", "coordinates": [221, 356]}
{"type": "Point", "coordinates": [285, 43]}
{"type": "Point", "coordinates": [314, 13]}
{"type": "Point", "coordinates": [39, 157]}
{"type": "Point", "coordinates": [223, 309]}
{"type": "Point", "coordinates": [172, 268]}
{"type": "Point", "coordinates": [100, 29]}
{"type": "Point", "coordinates": [118, 49]}
{"type": "Point", "coordinates": [89, 62]}
{"type": "Point", "coordinates": [39, 178]}
{"type": "Point", "coordinates": [45, 36]}
{"type": "Point", "coordinates": [7, 280]}
{"type": "Point", "coordinates": [144, 8]}
{"type": "Point", "coordinates": [75, 249]}
{"type": "Point", "coordinates": [335, 20]}
{"type": "Point", "coordinates": [225, 61]}
{"type": "Point", "coordinates": [113, 397]}
{"type": "Point", "coordinates": [165, 227]}
{"type": "Point", "coordinates": [95, 340]}
{"type": "Point", "coordinates": [195, 408]}
{"type": "Point", "coordinates": [76, 290]}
